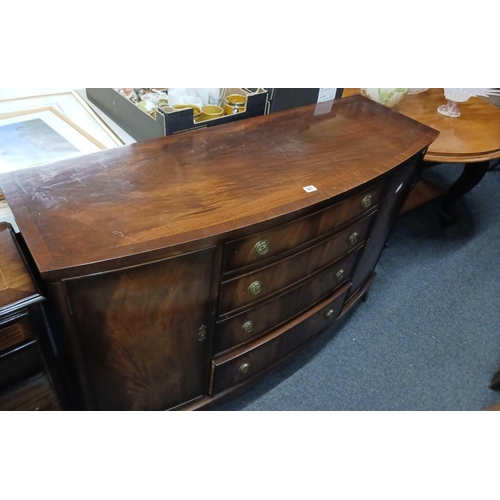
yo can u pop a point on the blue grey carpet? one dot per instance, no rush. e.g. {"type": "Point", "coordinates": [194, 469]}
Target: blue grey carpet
{"type": "Point", "coordinates": [428, 338]}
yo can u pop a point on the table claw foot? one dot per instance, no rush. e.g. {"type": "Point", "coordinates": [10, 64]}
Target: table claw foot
{"type": "Point", "coordinates": [471, 175]}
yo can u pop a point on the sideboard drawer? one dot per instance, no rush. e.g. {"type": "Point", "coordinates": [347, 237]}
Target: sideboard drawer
{"type": "Point", "coordinates": [260, 246]}
{"type": "Point", "coordinates": [262, 318]}
{"type": "Point", "coordinates": [244, 290]}
{"type": "Point", "coordinates": [229, 370]}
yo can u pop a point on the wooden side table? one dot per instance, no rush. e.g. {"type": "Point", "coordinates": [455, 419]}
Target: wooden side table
{"type": "Point", "coordinates": [24, 381]}
{"type": "Point", "coordinates": [472, 139]}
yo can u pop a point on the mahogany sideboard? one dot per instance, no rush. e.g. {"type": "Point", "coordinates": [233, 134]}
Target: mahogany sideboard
{"type": "Point", "coordinates": [179, 270]}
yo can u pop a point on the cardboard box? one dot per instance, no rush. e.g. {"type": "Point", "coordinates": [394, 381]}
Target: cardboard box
{"type": "Point", "coordinates": [143, 127]}
{"type": "Point", "coordinates": [281, 99]}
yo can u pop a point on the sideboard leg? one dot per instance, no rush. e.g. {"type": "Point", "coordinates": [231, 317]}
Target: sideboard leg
{"type": "Point", "coordinates": [471, 175]}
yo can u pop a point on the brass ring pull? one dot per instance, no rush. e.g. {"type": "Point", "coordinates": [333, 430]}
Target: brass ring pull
{"type": "Point", "coordinates": [366, 201]}
{"type": "Point", "coordinates": [329, 314]}
{"type": "Point", "coordinates": [255, 288]}
{"type": "Point", "coordinates": [247, 327]}
{"type": "Point", "coordinates": [340, 274]}
{"type": "Point", "coordinates": [353, 238]}
{"type": "Point", "coordinates": [261, 247]}
{"type": "Point", "coordinates": [244, 368]}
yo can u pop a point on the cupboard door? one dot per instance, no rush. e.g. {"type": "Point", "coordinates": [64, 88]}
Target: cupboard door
{"type": "Point", "coordinates": [142, 332]}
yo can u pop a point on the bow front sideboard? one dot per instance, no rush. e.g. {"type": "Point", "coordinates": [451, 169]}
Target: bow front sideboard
{"type": "Point", "coordinates": [178, 271]}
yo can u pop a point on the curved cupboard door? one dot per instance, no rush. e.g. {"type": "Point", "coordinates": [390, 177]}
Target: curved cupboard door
{"type": "Point", "coordinates": [142, 332]}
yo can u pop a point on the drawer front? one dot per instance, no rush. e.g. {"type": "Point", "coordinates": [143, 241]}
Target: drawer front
{"type": "Point", "coordinates": [242, 291]}
{"type": "Point", "coordinates": [260, 319]}
{"type": "Point", "coordinates": [260, 246]}
{"type": "Point", "coordinates": [15, 333]}
{"type": "Point", "coordinates": [230, 371]}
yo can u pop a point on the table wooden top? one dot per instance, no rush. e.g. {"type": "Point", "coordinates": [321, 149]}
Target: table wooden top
{"type": "Point", "coordinates": [154, 195]}
{"type": "Point", "coordinates": [472, 137]}
{"type": "Point", "coordinates": [16, 284]}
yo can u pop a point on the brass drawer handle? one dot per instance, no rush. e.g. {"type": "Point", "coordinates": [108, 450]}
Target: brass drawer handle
{"type": "Point", "coordinates": [255, 288]}
{"type": "Point", "coordinates": [244, 368]}
{"type": "Point", "coordinates": [353, 238]}
{"type": "Point", "coordinates": [329, 314]}
{"type": "Point", "coordinates": [366, 201]}
{"type": "Point", "coordinates": [261, 247]}
{"type": "Point", "coordinates": [247, 327]}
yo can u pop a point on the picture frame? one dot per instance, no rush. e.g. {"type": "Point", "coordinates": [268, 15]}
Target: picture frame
{"type": "Point", "coordinates": [41, 135]}
{"type": "Point", "coordinates": [72, 105]}
{"type": "Point", "coordinates": [67, 105]}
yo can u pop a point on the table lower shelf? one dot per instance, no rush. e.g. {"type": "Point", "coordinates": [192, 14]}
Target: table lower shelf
{"type": "Point", "coordinates": [422, 192]}
{"type": "Point", "coordinates": [34, 394]}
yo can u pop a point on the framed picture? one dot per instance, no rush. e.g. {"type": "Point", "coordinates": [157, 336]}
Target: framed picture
{"type": "Point", "coordinates": [70, 104]}
{"type": "Point", "coordinates": [36, 136]}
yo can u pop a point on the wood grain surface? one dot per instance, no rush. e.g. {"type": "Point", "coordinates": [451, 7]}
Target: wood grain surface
{"type": "Point", "coordinates": [171, 191]}
{"type": "Point", "coordinates": [141, 343]}
{"type": "Point", "coordinates": [470, 138]}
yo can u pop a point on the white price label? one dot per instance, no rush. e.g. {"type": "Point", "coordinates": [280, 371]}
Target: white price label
{"type": "Point", "coordinates": [326, 95]}
{"type": "Point", "coordinates": [309, 189]}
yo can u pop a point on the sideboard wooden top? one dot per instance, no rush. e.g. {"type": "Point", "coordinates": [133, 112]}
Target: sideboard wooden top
{"type": "Point", "coordinates": [170, 191]}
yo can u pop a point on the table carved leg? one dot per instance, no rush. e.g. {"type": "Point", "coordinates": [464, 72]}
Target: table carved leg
{"type": "Point", "coordinates": [471, 175]}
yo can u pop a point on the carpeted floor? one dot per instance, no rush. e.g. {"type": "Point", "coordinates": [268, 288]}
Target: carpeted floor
{"type": "Point", "coordinates": [428, 338]}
